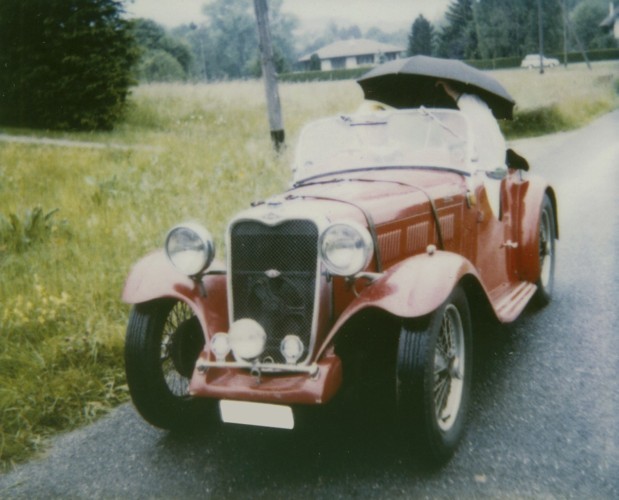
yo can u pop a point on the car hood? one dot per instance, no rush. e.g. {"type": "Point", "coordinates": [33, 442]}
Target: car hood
{"type": "Point", "coordinates": [384, 195]}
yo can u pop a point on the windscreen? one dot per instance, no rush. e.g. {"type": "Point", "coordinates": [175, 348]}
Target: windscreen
{"type": "Point", "coordinates": [408, 138]}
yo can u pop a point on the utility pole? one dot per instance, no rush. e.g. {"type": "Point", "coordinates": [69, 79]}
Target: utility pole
{"type": "Point", "coordinates": [268, 72]}
{"type": "Point", "coordinates": [565, 20]}
{"type": "Point", "coordinates": [540, 24]}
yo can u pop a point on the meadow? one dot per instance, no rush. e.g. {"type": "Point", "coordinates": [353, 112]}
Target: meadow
{"type": "Point", "coordinates": [74, 219]}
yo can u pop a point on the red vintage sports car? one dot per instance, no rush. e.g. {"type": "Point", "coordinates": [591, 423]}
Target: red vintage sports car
{"type": "Point", "coordinates": [369, 273]}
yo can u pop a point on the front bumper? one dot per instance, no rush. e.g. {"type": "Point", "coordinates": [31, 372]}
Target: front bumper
{"type": "Point", "coordinates": [242, 384]}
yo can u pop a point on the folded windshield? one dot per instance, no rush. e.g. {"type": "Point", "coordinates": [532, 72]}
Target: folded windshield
{"type": "Point", "coordinates": [406, 138]}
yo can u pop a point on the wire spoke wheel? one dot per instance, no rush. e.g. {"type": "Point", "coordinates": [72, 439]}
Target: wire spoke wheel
{"type": "Point", "coordinates": [448, 361]}
{"type": "Point", "coordinates": [164, 340]}
{"type": "Point", "coordinates": [181, 344]}
{"type": "Point", "coordinates": [433, 379]}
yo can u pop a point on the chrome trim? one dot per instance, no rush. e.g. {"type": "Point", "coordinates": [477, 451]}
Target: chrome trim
{"type": "Point", "coordinates": [273, 214]}
{"type": "Point", "coordinates": [311, 370]}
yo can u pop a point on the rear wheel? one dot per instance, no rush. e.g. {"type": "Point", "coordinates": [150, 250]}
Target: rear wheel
{"type": "Point", "coordinates": [547, 256]}
{"type": "Point", "coordinates": [433, 379]}
{"type": "Point", "coordinates": [163, 341]}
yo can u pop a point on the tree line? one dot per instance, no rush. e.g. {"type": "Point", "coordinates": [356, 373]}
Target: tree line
{"type": "Point", "coordinates": [490, 29]}
{"type": "Point", "coordinates": [69, 64]}
{"type": "Point", "coordinates": [224, 46]}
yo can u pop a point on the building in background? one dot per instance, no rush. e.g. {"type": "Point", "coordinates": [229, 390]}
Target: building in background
{"type": "Point", "coordinates": [347, 54]}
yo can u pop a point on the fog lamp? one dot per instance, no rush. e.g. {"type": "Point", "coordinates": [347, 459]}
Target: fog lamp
{"type": "Point", "coordinates": [220, 346]}
{"type": "Point", "coordinates": [247, 339]}
{"type": "Point", "coordinates": [291, 348]}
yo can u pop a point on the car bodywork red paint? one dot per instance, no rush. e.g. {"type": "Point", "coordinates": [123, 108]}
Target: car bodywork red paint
{"type": "Point", "coordinates": [432, 229]}
{"type": "Point", "coordinates": [415, 281]}
{"type": "Point", "coordinates": [153, 277]}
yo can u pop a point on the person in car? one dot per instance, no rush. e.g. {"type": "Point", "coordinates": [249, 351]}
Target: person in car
{"type": "Point", "coordinates": [489, 141]}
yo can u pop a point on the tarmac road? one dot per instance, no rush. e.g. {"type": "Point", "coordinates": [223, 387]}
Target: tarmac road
{"type": "Point", "coordinates": [544, 420]}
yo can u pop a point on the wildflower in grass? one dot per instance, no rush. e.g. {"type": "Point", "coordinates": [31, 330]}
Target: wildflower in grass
{"type": "Point", "coordinates": [41, 309]}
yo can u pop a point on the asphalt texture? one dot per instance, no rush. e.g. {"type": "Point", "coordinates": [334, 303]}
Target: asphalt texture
{"type": "Point", "coordinates": [544, 419]}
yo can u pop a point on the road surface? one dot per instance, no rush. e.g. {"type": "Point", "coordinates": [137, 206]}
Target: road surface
{"type": "Point", "coordinates": [544, 420]}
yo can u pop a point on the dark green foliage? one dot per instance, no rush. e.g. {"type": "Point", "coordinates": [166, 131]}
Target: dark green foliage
{"type": "Point", "coordinates": [66, 64]}
{"type": "Point", "coordinates": [458, 38]}
{"type": "Point", "coordinates": [586, 20]}
{"type": "Point", "coordinates": [226, 45]}
{"type": "Point", "coordinates": [314, 64]}
{"type": "Point", "coordinates": [164, 57]}
{"type": "Point", "coordinates": [18, 234]}
{"type": "Point", "coordinates": [311, 76]}
{"type": "Point", "coordinates": [421, 38]}
{"type": "Point", "coordinates": [534, 122]}
{"type": "Point", "coordinates": [490, 29]}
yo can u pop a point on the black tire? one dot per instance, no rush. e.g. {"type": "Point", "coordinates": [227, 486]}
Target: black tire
{"type": "Point", "coordinates": [433, 379]}
{"type": "Point", "coordinates": [547, 255]}
{"type": "Point", "coordinates": [163, 342]}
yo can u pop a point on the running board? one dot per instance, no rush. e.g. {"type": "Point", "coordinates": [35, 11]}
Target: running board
{"type": "Point", "coordinates": [510, 300]}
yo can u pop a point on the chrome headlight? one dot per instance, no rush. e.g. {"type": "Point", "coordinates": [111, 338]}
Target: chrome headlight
{"type": "Point", "coordinates": [247, 339]}
{"type": "Point", "coordinates": [346, 248]}
{"type": "Point", "coordinates": [190, 248]}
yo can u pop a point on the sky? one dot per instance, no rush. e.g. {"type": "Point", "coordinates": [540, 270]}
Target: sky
{"type": "Point", "coordinates": [389, 15]}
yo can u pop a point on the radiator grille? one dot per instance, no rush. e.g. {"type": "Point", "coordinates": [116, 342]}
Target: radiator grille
{"type": "Point", "coordinates": [273, 271]}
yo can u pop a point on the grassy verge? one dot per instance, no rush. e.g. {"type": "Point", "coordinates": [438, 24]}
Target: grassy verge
{"type": "Point", "coordinates": [73, 220]}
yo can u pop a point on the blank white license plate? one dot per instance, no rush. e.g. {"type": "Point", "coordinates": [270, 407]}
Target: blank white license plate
{"type": "Point", "coordinates": [261, 414]}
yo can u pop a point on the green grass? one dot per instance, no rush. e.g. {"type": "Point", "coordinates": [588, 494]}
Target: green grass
{"type": "Point", "coordinates": [73, 220]}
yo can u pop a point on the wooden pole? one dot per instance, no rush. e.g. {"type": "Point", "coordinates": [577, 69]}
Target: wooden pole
{"type": "Point", "coordinates": [268, 71]}
{"type": "Point", "coordinates": [540, 29]}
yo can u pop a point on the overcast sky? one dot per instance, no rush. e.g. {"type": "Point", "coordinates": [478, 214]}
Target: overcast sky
{"type": "Point", "coordinates": [389, 15]}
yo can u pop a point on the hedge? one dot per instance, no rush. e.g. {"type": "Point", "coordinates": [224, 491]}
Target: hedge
{"type": "Point", "coordinates": [498, 63]}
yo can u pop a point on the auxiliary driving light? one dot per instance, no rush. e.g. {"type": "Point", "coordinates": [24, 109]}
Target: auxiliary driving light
{"type": "Point", "coordinates": [247, 339]}
{"type": "Point", "coordinates": [291, 348]}
{"type": "Point", "coordinates": [220, 346]}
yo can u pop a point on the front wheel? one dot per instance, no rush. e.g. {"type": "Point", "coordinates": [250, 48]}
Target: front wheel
{"type": "Point", "coordinates": [163, 342]}
{"type": "Point", "coordinates": [433, 379]}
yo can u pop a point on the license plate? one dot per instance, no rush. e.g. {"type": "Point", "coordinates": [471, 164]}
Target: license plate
{"type": "Point", "coordinates": [260, 414]}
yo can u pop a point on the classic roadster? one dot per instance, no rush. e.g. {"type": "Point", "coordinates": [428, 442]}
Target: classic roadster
{"type": "Point", "coordinates": [370, 273]}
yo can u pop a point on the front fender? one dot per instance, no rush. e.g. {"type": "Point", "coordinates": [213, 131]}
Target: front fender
{"type": "Point", "coordinates": [154, 277]}
{"type": "Point", "coordinates": [413, 288]}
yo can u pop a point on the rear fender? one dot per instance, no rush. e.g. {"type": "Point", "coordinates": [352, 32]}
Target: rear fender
{"type": "Point", "coordinates": [530, 209]}
{"type": "Point", "coordinates": [413, 288]}
{"type": "Point", "coordinates": [154, 277]}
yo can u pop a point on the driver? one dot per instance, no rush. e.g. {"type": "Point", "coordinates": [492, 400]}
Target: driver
{"type": "Point", "coordinates": [489, 141]}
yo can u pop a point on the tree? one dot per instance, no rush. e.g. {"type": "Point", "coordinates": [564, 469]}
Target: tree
{"type": "Point", "coordinates": [164, 57]}
{"type": "Point", "coordinates": [160, 66]}
{"type": "Point", "coordinates": [314, 63]}
{"type": "Point", "coordinates": [229, 40]}
{"type": "Point", "coordinates": [421, 39]}
{"type": "Point", "coordinates": [66, 64]}
{"type": "Point", "coordinates": [586, 19]}
{"type": "Point", "coordinates": [458, 38]}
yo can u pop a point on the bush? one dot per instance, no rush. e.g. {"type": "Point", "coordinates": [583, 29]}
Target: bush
{"type": "Point", "coordinates": [66, 64]}
{"type": "Point", "coordinates": [160, 66]}
{"type": "Point", "coordinates": [18, 234]}
{"type": "Point", "coordinates": [336, 74]}
{"type": "Point", "coordinates": [534, 122]}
